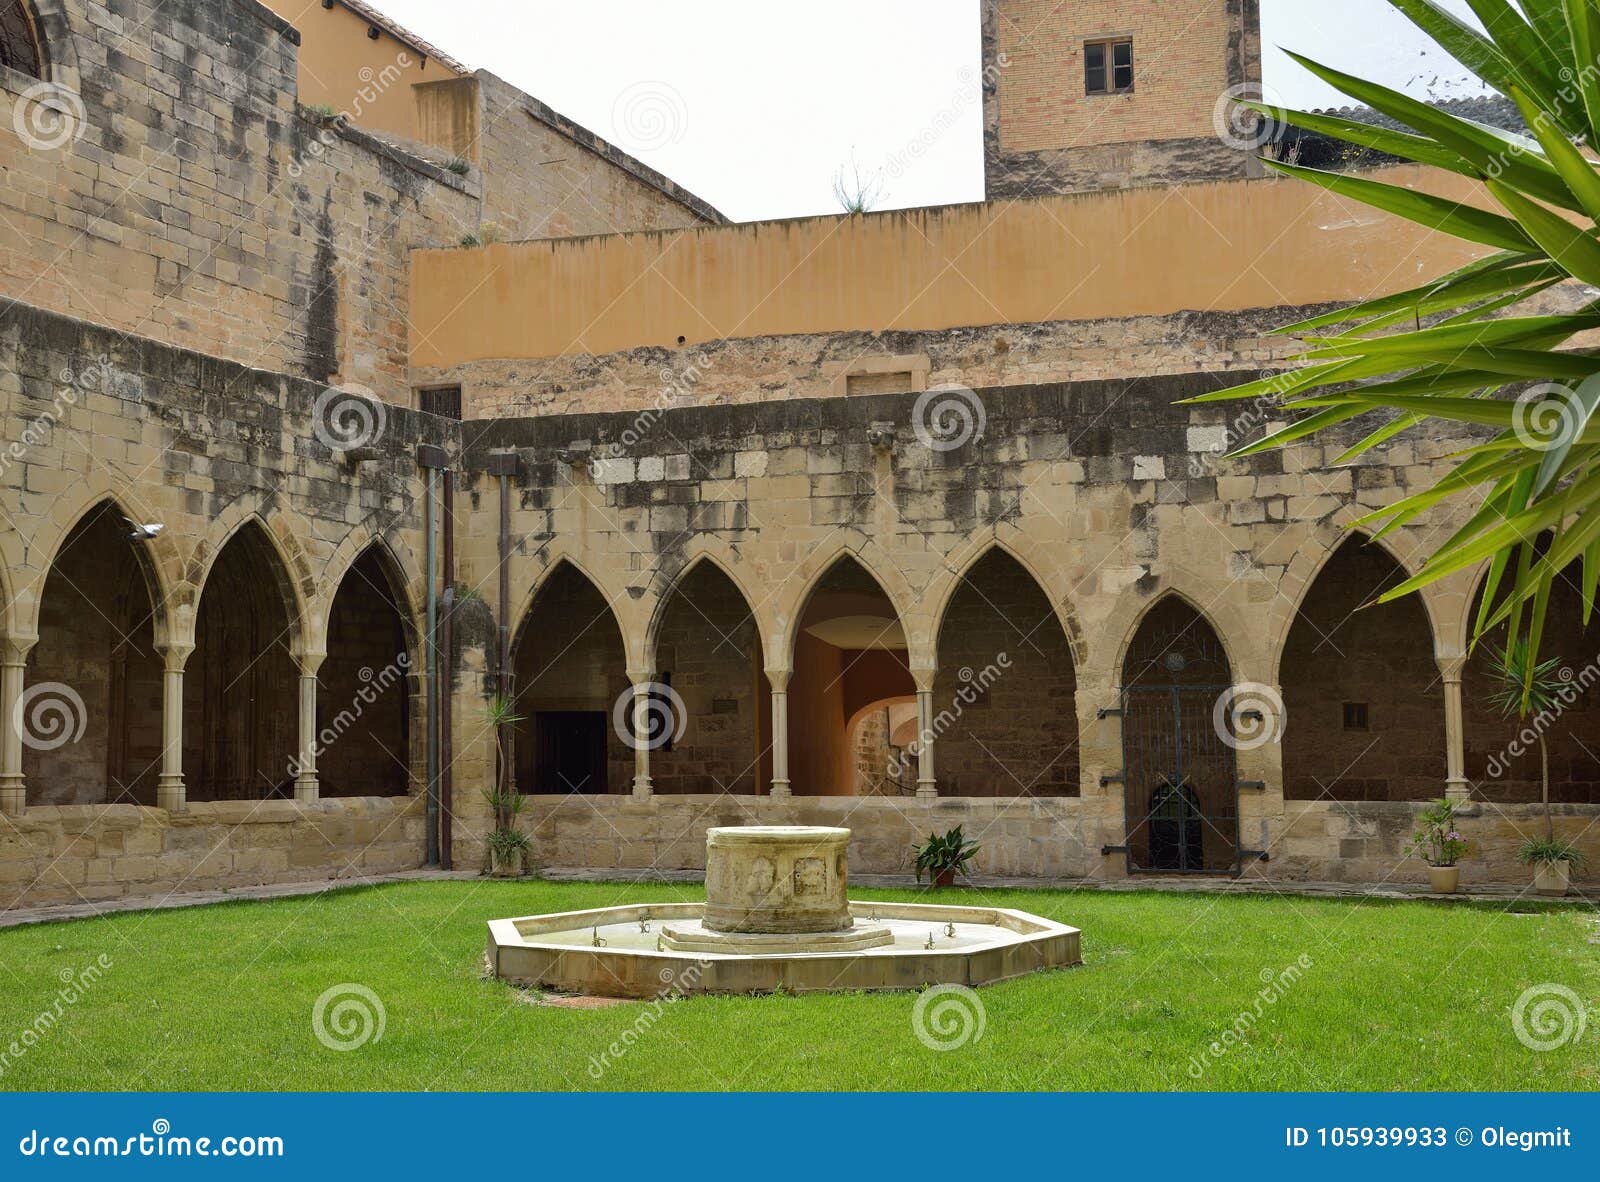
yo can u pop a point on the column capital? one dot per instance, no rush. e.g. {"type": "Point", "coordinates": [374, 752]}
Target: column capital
{"type": "Point", "coordinates": [778, 679]}
{"type": "Point", "coordinates": [639, 678]}
{"type": "Point", "coordinates": [1452, 667]}
{"type": "Point", "coordinates": [310, 660]}
{"type": "Point", "coordinates": [923, 676]}
{"type": "Point", "coordinates": [14, 649]}
{"type": "Point", "coordinates": [174, 656]}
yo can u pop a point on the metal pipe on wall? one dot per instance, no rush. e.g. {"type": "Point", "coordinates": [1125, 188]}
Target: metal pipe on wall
{"type": "Point", "coordinates": [447, 679]}
{"type": "Point", "coordinates": [430, 528]}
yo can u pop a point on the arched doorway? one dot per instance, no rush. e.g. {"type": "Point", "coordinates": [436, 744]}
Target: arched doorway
{"type": "Point", "coordinates": [92, 716]}
{"type": "Point", "coordinates": [1362, 687]}
{"type": "Point", "coordinates": [1181, 795]}
{"type": "Point", "coordinates": [570, 669]}
{"type": "Point", "coordinates": [364, 706]}
{"type": "Point", "coordinates": [241, 685]}
{"type": "Point", "coordinates": [1005, 698]}
{"type": "Point", "coordinates": [849, 656]}
{"type": "Point", "coordinates": [1502, 758]}
{"type": "Point", "coordinates": [708, 650]}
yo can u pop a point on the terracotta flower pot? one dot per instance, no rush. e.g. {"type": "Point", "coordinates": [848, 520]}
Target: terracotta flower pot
{"type": "Point", "coordinates": [1444, 879]}
{"type": "Point", "coordinates": [944, 878]}
{"type": "Point", "coordinates": [1552, 878]}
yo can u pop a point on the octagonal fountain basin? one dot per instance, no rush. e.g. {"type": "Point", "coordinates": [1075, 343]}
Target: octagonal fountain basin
{"type": "Point", "coordinates": [776, 916]}
{"type": "Point", "coordinates": [970, 946]}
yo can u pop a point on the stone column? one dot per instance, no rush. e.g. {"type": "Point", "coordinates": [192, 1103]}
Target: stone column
{"type": "Point", "coordinates": [306, 785]}
{"type": "Point", "coordinates": [779, 680]}
{"type": "Point", "coordinates": [1455, 738]}
{"type": "Point", "coordinates": [927, 785]}
{"type": "Point", "coordinates": [170, 791]}
{"type": "Point", "coordinates": [13, 667]}
{"type": "Point", "coordinates": [643, 789]}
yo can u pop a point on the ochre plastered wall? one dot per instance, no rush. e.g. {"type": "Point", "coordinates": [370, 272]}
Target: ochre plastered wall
{"type": "Point", "coordinates": [1222, 246]}
{"type": "Point", "coordinates": [341, 67]}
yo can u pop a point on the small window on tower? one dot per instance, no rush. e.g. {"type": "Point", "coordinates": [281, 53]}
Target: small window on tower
{"type": "Point", "coordinates": [1108, 66]}
{"type": "Point", "coordinates": [1355, 716]}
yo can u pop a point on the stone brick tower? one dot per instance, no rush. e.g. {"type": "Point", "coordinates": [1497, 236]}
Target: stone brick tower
{"type": "Point", "coordinates": [1101, 94]}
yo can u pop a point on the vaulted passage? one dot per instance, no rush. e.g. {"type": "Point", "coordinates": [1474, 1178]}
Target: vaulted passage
{"type": "Point", "coordinates": [1005, 716]}
{"type": "Point", "coordinates": [96, 632]}
{"type": "Point", "coordinates": [1180, 788]}
{"type": "Point", "coordinates": [570, 672]}
{"type": "Point", "coordinates": [1362, 695]}
{"type": "Point", "coordinates": [708, 650]}
{"type": "Point", "coordinates": [240, 689]}
{"type": "Point", "coordinates": [1502, 754]}
{"type": "Point", "coordinates": [364, 706]}
{"type": "Point", "coordinates": [849, 659]}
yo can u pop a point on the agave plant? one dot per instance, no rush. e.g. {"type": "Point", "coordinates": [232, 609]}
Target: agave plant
{"type": "Point", "coordinates": [1522, 691]}
{"type": "Point", "coordinates": [1536, 474]}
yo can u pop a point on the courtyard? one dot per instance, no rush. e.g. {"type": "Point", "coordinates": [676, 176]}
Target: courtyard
{"type": "Point", "coordinates": [1296, 993]}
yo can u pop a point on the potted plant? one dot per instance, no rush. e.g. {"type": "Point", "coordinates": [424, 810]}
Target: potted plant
{"type": "Point", "coordinates": [1440, 844]}
{"type": "Point", "coordinates": [1535, 687]}
{"type": "Point", "coordinates": [942, 858]}
{"type": "Point", "coordinates": [1553, 861]}
{"type": "Point", "coordinates": [510, 850]}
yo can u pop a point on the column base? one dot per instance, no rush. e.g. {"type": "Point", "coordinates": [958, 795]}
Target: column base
{"type": "Point", "coordinates": [643, 789]}
{"type": "Point", "coordinates": [780, 790]}
{"type": "Point", "coordinates": [13, 799]}
{"type": "Point", "coordinates": [927, 792]}
{"type": "Point", "coordinates": [1457, 790]}
{"type": "Point", "coordinates": [171, 794]}
{"type": "Point", "coordinates": [308, 789]}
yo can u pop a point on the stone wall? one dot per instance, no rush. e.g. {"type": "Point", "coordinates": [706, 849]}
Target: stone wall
{"type": "Point", "coordinates": [187, 195]}
{"type": "Point", "coordinates": [78, 854]}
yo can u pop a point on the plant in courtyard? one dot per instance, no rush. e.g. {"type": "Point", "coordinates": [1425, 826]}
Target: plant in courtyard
{"type": "Point", "coordinates": [510, 849]}
{"type": "Point", "coordinates": [1523, 691]}
{"type": "Point", "coordinates": [1437, 840]}
{"type": "Point", "coordinates": [1537, 471]}
{"type": "Point", "coordinates": [942, 858]}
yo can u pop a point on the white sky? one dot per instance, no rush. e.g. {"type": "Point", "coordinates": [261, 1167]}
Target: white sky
{"type": "Point", "coordinates": [756, 106]}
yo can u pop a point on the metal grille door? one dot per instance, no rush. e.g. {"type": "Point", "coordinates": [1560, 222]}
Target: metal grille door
{"type": "Point", "coordinates": [1180, 787]}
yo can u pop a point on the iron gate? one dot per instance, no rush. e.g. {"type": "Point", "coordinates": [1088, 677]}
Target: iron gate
{"type": "Point", "coordinates": [1180, 787]}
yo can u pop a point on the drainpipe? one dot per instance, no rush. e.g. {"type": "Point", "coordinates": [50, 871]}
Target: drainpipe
{"type": "Point", "coordinates": [432, 459]}
{"type": "Point", "coordinates": [504, 466]}
{"type": "Point", "coordinates": [447, 677]}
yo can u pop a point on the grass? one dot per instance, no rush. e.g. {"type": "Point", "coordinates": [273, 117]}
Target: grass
{"type": "Point", "coordinates": [1397, 995]}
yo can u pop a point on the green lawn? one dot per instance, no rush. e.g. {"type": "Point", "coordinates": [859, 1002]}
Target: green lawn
{"type": "Point", "coordinates": [1396, 995]}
